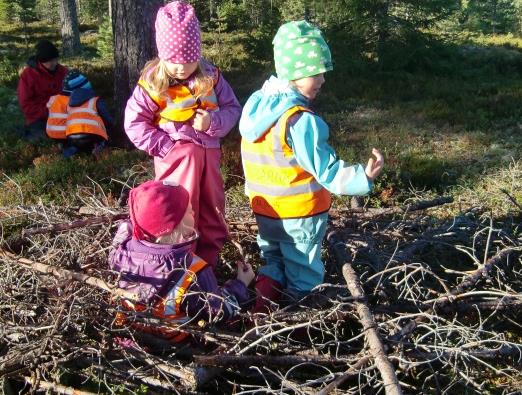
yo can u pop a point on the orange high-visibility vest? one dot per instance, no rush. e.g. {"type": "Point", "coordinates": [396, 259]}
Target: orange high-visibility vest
{"type": "Point", "coordinates": [275, 183]}
{"type": "Point", "coordinates": [57, 119]}
{"type": "Point", "coordinates": [168, 307]}
{"type": "Point", "coordinates": [84, 119]}
{"type": "Point", "coordinates": [180, 104]}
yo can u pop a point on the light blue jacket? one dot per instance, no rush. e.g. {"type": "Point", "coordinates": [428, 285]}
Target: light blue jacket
{"type": "Point", "coordinates": [308, 137]}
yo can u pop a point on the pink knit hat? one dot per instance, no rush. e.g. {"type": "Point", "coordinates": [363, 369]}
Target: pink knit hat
{"type": "Point", "coordinates": [177, 33]}
{"type": "Point", "coordinates": [156, 208]}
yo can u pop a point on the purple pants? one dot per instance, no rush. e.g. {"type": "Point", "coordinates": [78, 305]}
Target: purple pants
{"type": "Point", "coordinates": [198, 170]}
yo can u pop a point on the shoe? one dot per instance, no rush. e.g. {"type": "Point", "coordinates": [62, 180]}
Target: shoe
{"type": "Point", "coordinates": [69, 151]}
{"type": "Point", "coordinates": [268, 295]}
{"type": "Point", "coordinates": [98, 148]}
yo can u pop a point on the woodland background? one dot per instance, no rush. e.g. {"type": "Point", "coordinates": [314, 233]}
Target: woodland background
{"type": "Point", "coordinates": [435, 84]}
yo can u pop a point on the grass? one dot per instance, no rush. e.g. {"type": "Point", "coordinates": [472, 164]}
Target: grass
{"type": "Point", "coordinates": [445, 123]}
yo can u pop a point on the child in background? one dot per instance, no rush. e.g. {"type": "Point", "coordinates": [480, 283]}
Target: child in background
{"type": "Point", "coordinates": [290, 169]}
{"type": "Point", "coordinates": [178, 113]}
{"type": "Point", "coordinates": [77, 117]}
{"type": "Point", "coordinates": [152, 253]}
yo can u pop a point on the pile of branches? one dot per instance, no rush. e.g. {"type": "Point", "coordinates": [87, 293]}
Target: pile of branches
{"type": "Point", "coordinates": [410, 304]}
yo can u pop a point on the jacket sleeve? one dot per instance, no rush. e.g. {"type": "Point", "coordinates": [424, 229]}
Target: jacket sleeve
{"type": "Point", "coordinates": [25, 90]}
{"type": "Point", "coordinates": [205, 299]}
{"type": "Point", "coordinates": [308, 135]}
{"type": "Point", "coordinates": [105, 115]}
{"type": "Point", "coordinates": [140, 127]}
{"type": "Point", "coordinates": [229, 110]}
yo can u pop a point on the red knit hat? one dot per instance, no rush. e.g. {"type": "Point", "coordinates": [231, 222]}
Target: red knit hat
{"type": "Point", "coordinates": [156, 208]}
{"type": "Point", "coordinates": [178, 38]}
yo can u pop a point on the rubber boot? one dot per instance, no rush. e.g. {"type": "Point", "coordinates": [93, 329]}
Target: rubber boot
{"type": "Point", "coordinates": [268, 293]}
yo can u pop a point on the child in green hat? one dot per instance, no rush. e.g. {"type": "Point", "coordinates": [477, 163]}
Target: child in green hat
{"type": "Point", "coordinates": [290, 169]}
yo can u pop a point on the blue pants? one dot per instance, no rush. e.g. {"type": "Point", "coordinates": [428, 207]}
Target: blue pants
{"type": "Point", "coordinates": [291, 249]}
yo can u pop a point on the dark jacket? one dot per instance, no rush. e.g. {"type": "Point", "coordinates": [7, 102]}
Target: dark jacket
{"type": "Point", "coordinates": [35, 87]}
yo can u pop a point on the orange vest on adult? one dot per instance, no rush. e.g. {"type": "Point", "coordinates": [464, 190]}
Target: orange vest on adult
{"type": "Point", "coordinates": [84, 119]}
{"type": "Point", "coordinates": [56, 122]}
{"type": "Point", "coordinates": [179, 104]}
{"type": "Point", "coordinates": [167, 308]}
{"type": "Point", "coordinates": [275, 183]}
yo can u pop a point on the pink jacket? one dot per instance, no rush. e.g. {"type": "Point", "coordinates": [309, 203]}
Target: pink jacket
{"type": "Point", "coordinates": [157, 141]}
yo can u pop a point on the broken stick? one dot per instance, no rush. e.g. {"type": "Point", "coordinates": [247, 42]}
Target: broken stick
{"type": "Point", "coordinates": [383, 364]}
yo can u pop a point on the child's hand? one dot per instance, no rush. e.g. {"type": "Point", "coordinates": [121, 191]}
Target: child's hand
{"type": "Point", "coordinates": [201, 120]}
{"type": "Point", "coordinates": [374, 166]}
{"type": "Point", "coordinates": [245, 273]}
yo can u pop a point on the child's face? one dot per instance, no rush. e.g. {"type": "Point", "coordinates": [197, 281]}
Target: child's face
{"type": "Point", "coordinates": [188, 219]}
{"type": "Point", "coordinates": [181, 71]}
{"type": "Point", "coordinates": [310, 86]}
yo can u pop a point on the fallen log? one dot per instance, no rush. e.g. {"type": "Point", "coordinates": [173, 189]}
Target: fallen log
{"type": "Point", "coordinates": [81, 223]}
{"type": "Point", "coordinates": [443, 303]}
{"type": "Point", "coordinates": [54, 387]}
{"type": "Point", "coordinates": [266, 360]}
{"type": "Point", "coordinates": [350, 372]}
{"type": "Point", "coordinates": [502, 352]}
{"type": "Point", "coordinates": [64, 274]}
{"type": "Point", "coordinates": [484, 271]}
{"type": "Point", "coordinates": [383, 364]}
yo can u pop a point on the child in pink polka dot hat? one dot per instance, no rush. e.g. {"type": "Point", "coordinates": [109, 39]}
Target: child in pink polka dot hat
{"type": "Point", "coordinates": [178, 113]}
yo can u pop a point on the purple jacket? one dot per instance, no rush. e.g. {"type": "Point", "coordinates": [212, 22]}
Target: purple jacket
{"type": "Point", "coordinates": [149, 269]}
{"type": "Point", "coordinates": [141, 110]}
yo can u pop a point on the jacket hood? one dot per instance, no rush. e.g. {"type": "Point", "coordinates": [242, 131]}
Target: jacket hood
{"type": "Point", "coordinates": [80, 96]}
{"type": "Point", "coordinates": [32, 62]}
{"type": "Point", "coordinates": [266, 106]}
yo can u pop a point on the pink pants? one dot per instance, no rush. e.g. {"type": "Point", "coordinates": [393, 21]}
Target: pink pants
{"type": "Point", "coordinates": [197, 169]}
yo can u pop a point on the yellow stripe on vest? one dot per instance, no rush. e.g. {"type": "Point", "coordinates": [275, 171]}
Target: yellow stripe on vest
{"type": "Point", "coordinates": [179, 104]}
{"type": "Point", "coordinates": [56, 121]}
{"type": "Point", "coordinates": [275, 183]}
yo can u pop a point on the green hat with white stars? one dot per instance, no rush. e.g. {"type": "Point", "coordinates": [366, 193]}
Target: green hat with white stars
{"type": "Point", "coordinates": [300, 51]}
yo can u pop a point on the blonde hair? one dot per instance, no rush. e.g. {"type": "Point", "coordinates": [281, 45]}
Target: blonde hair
{"type": "Point", "coordinates": [157, 76]}
{"type": "Point", "coordinates": [183, 232]}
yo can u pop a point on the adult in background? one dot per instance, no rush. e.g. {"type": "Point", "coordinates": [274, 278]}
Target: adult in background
{"type": "Point", "coordinates": [41, 78]}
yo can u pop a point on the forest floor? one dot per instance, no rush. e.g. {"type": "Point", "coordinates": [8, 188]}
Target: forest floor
{"type": "Point", "coordinates": [454, 129]}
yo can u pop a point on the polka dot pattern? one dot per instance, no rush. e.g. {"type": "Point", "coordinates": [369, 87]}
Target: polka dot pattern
{"type": "Point", "coordinates": [178, 36]}
{"type": "Point", "coordinates": [300, 51]}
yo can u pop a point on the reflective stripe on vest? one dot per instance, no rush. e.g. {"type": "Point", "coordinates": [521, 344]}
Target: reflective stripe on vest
{"type": "Point", "coordinates": [55, 128]}
{"type": "Point", "coordinates": [169, 307]}
{"type": "Point", "coordinates": [180, 104]}
{"type": "Point", "coordinates": [277, 186]}
{"type": "Point", "coordinates": [84, 119]}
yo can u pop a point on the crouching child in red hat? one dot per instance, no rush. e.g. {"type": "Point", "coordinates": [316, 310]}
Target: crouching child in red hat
{"type": "Point", "coordinates": [152, 253]}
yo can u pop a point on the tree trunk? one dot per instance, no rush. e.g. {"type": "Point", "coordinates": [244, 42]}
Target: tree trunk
{"type": "Point", "coordinates": [383, 33]}
{"type": "Point", "coordinates": [134, 45]}
{"type": "Point", "coordinates": [70, 31]}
